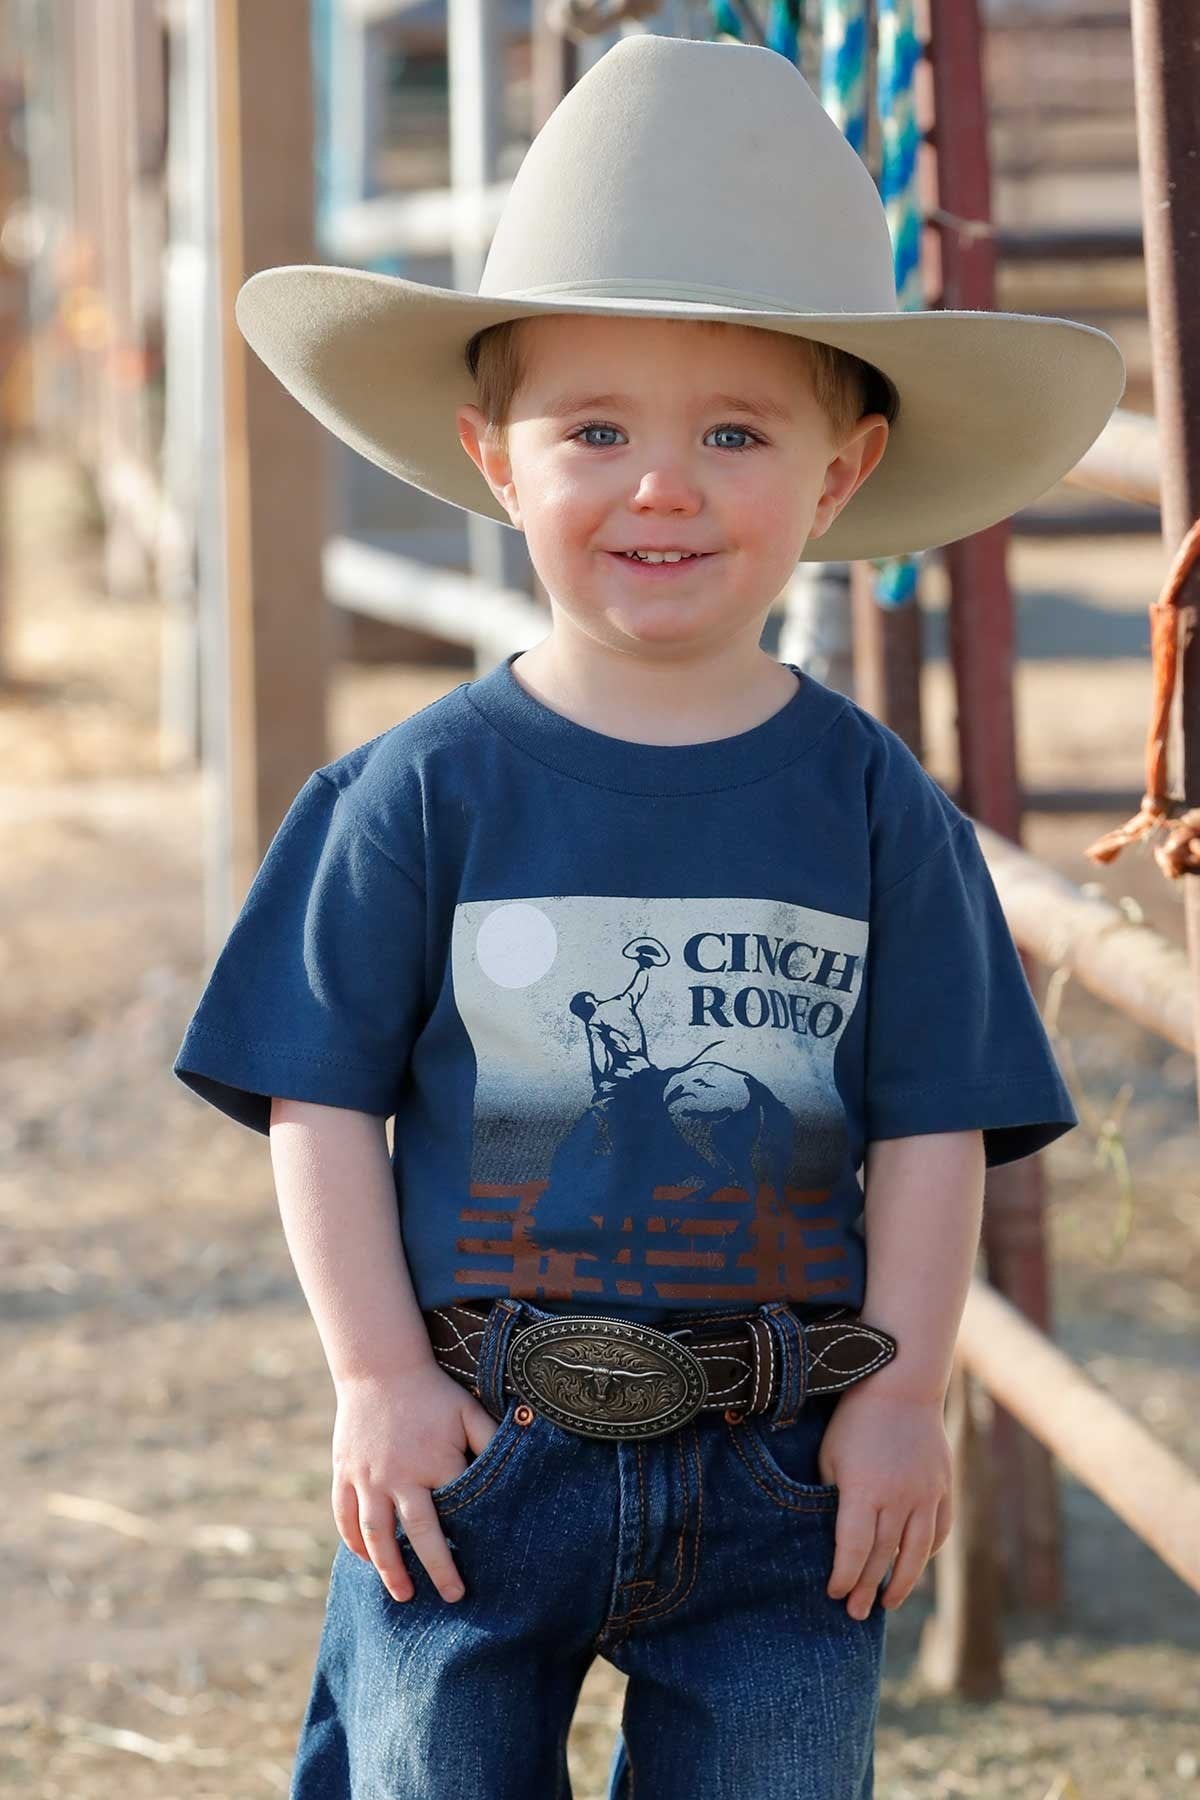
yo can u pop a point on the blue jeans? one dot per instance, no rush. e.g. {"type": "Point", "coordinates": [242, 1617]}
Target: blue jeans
{"type": "Point", "coordinates": [695, 1562]}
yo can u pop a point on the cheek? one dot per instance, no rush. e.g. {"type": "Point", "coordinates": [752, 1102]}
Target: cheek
{"type": "Point", "coordinates": [566, 510]}
{"type": "Point", "coordinates": [763, 494]}
{"type": "Point", "coordinates": [764, 514]}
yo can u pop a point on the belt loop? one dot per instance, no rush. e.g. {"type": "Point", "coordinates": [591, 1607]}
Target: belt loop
{"type": "Point", "coordinates": [792, 1352]}
{"type": "Point", "coordinates": [493, 1355]}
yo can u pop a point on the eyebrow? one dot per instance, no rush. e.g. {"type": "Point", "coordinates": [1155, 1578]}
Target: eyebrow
{"type": "Point", "coordinates": [763, 407]}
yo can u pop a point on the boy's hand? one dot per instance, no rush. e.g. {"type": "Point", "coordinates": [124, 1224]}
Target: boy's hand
{"type": "Point", "coordinates": [891, 1460]}
{"type": "Point", "coordinates": [396, 1438]}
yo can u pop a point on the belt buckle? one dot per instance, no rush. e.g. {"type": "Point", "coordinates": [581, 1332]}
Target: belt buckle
{"type": "Point", "coordinates": [606, 1378]}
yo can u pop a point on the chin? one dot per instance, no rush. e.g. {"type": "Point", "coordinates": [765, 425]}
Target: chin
{"type": "Point", "coordinates": [654, 626]}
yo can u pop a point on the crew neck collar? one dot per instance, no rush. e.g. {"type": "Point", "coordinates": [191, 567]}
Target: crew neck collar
{"type": "Point", "coordinates": [629, 767]}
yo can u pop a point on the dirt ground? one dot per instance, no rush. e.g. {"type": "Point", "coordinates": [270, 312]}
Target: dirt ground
{"type": "Point", "coordinates": [165, 1414]}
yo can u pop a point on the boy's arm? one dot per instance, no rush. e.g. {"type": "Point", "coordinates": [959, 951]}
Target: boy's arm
{"type": "Point", "coordinates": [404, 1425]}
{"type": "Point", "coordinates": [885, 1446]}
{"type": "Point", "coordinates": [923, 1212]}
{"type": "Point", "coordinates": [337, 1200]}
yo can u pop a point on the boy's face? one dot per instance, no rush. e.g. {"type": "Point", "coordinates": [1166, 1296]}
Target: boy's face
{"type": "Point", "coordinates": [666, 464]}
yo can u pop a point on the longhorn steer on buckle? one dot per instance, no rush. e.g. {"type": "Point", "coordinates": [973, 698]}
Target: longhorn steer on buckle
{"type": "Point", "coordinates": [606, 1378]}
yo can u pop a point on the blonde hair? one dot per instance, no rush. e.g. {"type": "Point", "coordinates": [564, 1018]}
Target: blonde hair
{"type": "Point", "coordinates": [845, 386]}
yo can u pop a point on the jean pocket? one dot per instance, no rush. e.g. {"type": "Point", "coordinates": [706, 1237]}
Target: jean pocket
{"type": "Point", "coordinates": [785, 1461]}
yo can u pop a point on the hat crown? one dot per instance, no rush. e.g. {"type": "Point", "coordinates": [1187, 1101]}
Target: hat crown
{"type": "Point", "coordinates": [677, 168]}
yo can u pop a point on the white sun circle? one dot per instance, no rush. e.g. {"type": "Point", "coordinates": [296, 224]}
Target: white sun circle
{"type": "Point", "coordinates": [516, 944]}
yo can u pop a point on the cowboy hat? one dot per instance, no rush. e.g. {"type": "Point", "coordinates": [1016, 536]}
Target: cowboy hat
{"type": "Point", "coordinates": [681, 179]}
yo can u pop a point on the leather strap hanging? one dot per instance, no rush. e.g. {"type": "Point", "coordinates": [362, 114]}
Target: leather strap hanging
{"type": "Point", "coordinates": [1179, 854]}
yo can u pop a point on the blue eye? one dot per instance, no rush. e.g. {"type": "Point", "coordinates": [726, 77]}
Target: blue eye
{"type": "Point", "coordinates": [738, 431]}
{"type": "Point", "coordinates": [583, 432]}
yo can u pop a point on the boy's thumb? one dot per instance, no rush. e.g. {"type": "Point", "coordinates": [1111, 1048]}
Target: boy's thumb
{"type": "Point", "coordinates": [481, 1425]}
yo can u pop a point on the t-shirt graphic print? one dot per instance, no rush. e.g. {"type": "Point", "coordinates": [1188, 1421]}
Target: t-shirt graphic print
{"type": "Point", "coordinates": [655, 1108]}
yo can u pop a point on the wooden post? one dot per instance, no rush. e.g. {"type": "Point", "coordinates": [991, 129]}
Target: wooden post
{"type": "Point", "coordinates": [86, 272]}
{"type": "Point", "coordinates": [187, 394]}
{"type": "Point", "coordinates": [1166, 54]}
{"type": "Point", "coordinates": [17, 109]}
{"type": "Point", "coordinates": [962, 1649]}
{"type": "Point", "coordinates": [981, 649]}
{"type": "Point", "coordinates": [274, 651]}
{"type": "Point", "coordinates": [981, 628]}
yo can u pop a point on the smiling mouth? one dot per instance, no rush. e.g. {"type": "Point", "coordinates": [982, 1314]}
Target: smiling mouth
{"type": "Point", "coordinates": [683, 562]}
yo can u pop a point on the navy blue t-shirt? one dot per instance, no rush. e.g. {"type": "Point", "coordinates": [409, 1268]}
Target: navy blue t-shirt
{"type": "Point", "coordinates": [637, 1009]}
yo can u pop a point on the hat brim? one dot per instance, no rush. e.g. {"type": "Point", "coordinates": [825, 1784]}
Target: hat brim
{"type": "Point", "coordinates": [995, 408]}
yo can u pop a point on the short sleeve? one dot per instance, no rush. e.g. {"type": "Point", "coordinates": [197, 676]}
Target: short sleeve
{"type": "Point", "coordinates": [955, 1041]}
{"type": "Point", "coordinates": [317, 992]}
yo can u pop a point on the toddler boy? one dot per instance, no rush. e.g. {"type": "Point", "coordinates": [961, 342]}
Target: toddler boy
{"type": "Point", "coordinates": [687, 989]}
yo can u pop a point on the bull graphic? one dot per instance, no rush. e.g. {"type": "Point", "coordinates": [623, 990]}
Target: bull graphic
{"type": "Point", "coordinates": [691, 1129]}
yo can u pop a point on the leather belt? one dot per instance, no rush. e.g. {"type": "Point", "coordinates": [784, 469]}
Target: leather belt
{"type": "Point", "coordinates": [614, 1378]}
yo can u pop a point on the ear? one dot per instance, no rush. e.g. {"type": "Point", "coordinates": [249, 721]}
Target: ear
{"type": "Point", "coordinates": [492, 462]}
{"type": "Point", "coordinates": [855, 461]}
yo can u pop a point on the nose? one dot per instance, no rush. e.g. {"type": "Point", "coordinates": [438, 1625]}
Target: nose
{"type": "Point", "coordinates": [666, 489]}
